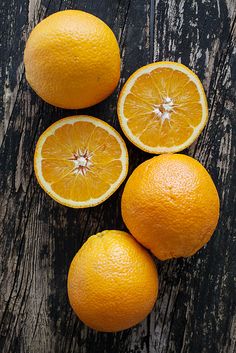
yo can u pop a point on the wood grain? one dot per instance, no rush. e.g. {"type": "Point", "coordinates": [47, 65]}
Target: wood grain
{"type": "Point", "coordinates": [196, 309]}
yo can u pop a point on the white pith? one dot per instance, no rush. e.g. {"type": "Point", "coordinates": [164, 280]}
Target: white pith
{"type": "Point", "coordinates": [168, 105]}
{"type": "Point", "coordinates": [82, 162]}
{"type": "Point", "coordinates": [163, 110]}
{"type": "Point", "coordinates": [92, 201]}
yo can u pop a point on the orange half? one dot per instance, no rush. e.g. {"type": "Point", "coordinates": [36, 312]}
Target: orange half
{"type": "Point", "coordinates": [162, 108]}
{"type": "Point", "coordinates": [80, 161]}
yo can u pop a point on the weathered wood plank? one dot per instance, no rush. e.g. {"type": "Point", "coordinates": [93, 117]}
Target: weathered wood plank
{"type": "Point", "coordinates": [196, 310]}
{"type": "Point", "coordinates": [198, 306]}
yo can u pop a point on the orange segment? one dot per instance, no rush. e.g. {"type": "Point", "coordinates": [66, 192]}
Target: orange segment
{"type": "Point", "coordinates": [162, 107]}
{"type": "Point", "coordinates": [80, 161]}
{"type": "Point", "coordinates": [54, 170]}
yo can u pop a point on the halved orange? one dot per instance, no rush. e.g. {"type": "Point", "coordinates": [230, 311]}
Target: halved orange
{"type": "Point", "coordinates": [162, 108]}
{"type": "Point", "coordinates": [80, 161]}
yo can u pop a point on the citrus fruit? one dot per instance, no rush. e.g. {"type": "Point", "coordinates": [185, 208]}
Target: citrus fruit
{"type": "Point", "coordinates": [80, 161]}
{"type": "Point", "coordinates": [112, 282]}
{"type": "Point", "coordinates": [170, 205]}
{"type": "Point", "coordinates": [162, 107]}
{"type": "Point", "coordinates": [72, 59]}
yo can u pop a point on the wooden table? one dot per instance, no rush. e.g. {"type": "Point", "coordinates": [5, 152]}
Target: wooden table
{"type": "Point", "coordinates": [196, 309]}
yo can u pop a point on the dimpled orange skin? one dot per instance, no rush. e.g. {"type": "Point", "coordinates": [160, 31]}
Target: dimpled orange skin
{"type": "Point", "coordinates": [72, 59]}
{"type": "Point", "coordinates": [170, 205]}
{"type": "Point", "coordinates": [112, 282]}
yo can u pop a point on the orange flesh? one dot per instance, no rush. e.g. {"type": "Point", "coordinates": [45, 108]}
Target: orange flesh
{"type": "Point", "coordinates": [61, 172]}
{"type": "Point", "coordinates": [149, 91]}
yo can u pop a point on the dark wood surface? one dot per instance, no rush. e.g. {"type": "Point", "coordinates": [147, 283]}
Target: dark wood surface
{"type": "Point", "coordinates": [196, 309]}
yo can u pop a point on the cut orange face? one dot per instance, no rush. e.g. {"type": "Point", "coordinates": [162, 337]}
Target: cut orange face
{"type": "Point", "coordinates": [162, 107]}
{"type": "Point", "coordinates": [80, 161]}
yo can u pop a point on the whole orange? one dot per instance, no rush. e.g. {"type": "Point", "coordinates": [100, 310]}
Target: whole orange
{"type": "Point", "coordinates": [112, 282]}
{"type": "Point", "coordinates": [170, 205]}
{"type": "Point", "coordinates": [72, 59]}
